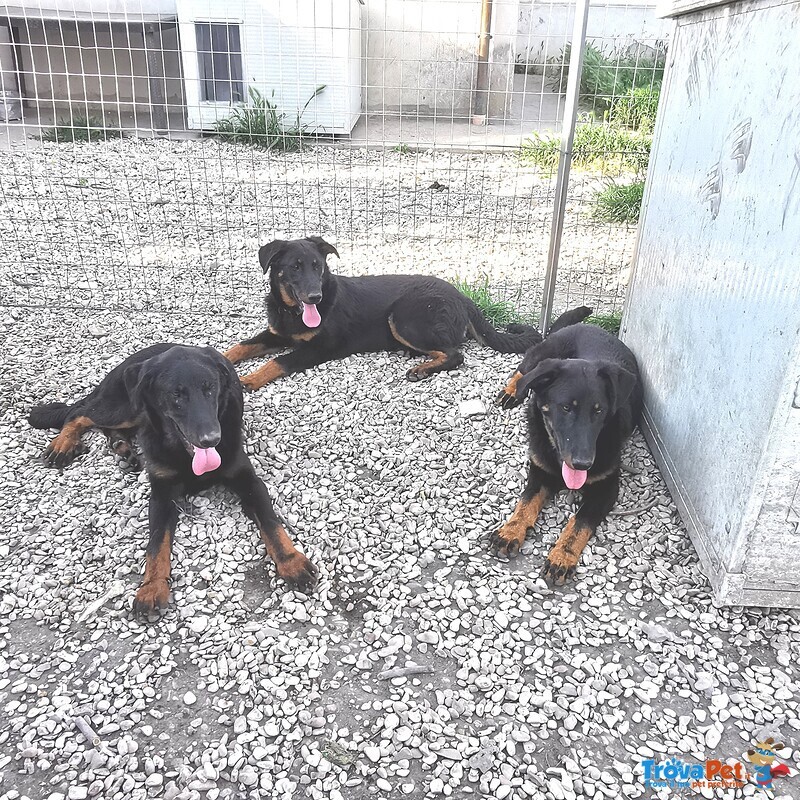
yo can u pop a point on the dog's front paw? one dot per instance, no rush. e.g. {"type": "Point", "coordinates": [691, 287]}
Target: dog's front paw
{"type": "Point", "coordinates": [507, 398]}
{"type": "Point", "coordinates": [506, 401]}
{"type": "Point", "coordinates": [251, 382]}
{"type": "Point", "coordinates": [509, 539]}
{"type": "Point", "coordinates": [559, 566]}
{"type": "Point", "coordinates": [561, 561]}
{"type": "Point", "coordinates": [151, 596]}
{"type": "Point", "coordinates": [61, 454]}
{"type": "Point", "coordinates": [299, 572]}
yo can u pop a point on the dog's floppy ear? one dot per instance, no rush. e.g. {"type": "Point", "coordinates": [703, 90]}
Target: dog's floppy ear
{"type": "Point", "coordinates": [324, 247]}
{"type": "Point", "coordinates": [619, 384]}
{"type": "Point", "coordinates": [227, 378]}
{"type": "Point", "coordinates": [137, 379]}
{"type": "Point", "coordinates": [539, 378]}
{"type": "Point", "coordinates": [267, 252]}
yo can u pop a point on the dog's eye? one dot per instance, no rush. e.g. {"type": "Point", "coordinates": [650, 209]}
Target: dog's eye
{"type": "Point", "coordinates": [566, 409]}
{"type": "Point", "coordinates": [598, 411]}
{"type": "Point", "coordinates": [296, 267]}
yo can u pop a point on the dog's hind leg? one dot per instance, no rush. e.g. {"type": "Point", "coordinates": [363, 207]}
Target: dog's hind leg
{"type": "Point", "coordinates": [96, 412]}
{"type": "Point", "coordinates": [598, 499]}
{"type": "Point", "coordinates": [508, 540]}
{"type": "Point", "coordinates": [121, 443]}
{"type": "Point", "coordinates": [439, 341]}
{"type": "Point", "coordinates": [438, 361]}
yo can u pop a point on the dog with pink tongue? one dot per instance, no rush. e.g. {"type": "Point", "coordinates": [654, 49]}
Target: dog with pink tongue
{"type": "Point", "coordinates": [183, 405]}
{"type": "Point", "coordinates": [586, 399]}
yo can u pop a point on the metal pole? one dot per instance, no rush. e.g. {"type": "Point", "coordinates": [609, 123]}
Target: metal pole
{"type": "Point", "coordinates": [480, 101]}
{"type": "Point", "coordinates": [154, 54]}
{"type": "Point", "coordinates": [565, 159]}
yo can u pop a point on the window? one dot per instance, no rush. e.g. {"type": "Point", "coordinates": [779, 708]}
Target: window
{"type": "Point", "coordinates": [219, 57]}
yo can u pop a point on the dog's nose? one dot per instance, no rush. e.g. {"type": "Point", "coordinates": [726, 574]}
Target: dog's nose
{"type": "Point", "coordinates": [582, 465]}
{"type": "Point", "coordinates": [210, 439]}
{"type": "Point", "coordinates": [314, 299]}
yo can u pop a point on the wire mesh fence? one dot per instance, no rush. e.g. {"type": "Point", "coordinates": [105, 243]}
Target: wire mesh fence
{"type": "Point", "coordinates": [152, 146]}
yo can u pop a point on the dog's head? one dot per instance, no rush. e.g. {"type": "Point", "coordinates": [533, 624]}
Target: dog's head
{"type": "Point", "coordinates": [184, 391]}
{"type": "Point", "coordinates": [298, 270]}
{"type": "Point", "coordinates": [575, 398]}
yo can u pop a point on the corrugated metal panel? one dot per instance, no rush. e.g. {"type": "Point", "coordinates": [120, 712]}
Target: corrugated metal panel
{"type": "Point", "coordinates": [714, 303]}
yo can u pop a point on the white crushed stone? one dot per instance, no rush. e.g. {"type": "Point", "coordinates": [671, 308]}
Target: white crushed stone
{"type": "Point", "coordinates": [391, 500]}
{"type": "Point", "coordinates": [421, 663]}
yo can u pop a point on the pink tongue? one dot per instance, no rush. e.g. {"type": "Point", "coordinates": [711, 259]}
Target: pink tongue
{"type": "Point", "coordinates": [311, 317]}
{"type": "Point", "coordinates": [205, 460]}
{"type": "Point", "coordinates": [574, 478]}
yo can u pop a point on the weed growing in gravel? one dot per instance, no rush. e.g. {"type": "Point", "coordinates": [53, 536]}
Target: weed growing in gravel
{"type": "Point", "coordinates": [619, 202]}
{"type": "Point", "coordinates": [402, 148]}
{"type": "Point", "coordinates": [499, 312]}
{"type": "Point", "coordinates": [594, 147]}
{"type": "Point", "coordinates": [260, 124]}
{"type": "Point", "coordinates": [80, 128]}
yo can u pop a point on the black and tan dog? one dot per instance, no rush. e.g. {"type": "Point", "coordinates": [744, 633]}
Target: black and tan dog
{"type": "Point", "coordinates": [326, 317]}
{"type": "Point", "coordinates": [184, 404]}
{"type": "Point", "coordinates": [587, 398]}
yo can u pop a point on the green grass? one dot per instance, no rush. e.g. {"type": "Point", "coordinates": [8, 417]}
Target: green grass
{"type": "Point", "coordinates": [499, 312]}
{"type": "Point", "coordinates": [259, 124]}
{"type": "Point", "coordinates": [403, 149]}
{"type": "Point", "coordinates": [608, 322]}
{"type": "Point", "coordinates": [619, 202]}
{"type": "Point", "coordinates": [595, 147]}
{"type": "Point", "coordinates": [502, 312]}
{"type": "Point", "coordinates": [80, 128]}
{"type": "Point", "coordinates": [605, 77]}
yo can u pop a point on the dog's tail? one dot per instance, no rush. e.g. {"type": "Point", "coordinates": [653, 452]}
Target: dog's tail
{"type": "Point", "coordinates": [568, 318]}
{"type": "Point", "coordinates": [517, 339]}
{"type": "Point", "coordinates": [49, 415]}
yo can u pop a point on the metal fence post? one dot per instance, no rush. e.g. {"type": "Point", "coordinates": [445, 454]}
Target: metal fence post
{"type": "Point", "coordinates": [565, 158]}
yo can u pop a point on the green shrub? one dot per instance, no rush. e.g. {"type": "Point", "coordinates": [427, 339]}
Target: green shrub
{"type": "Point", "coordinates": [80, 128]}
{"type": "Point", "coordinates": [605, 77]}
{"type": "Point", "coordinates": [636, 109]}
{"type": "Point", "coordinates": [619, 202]}
{"type": "Point", "coordinates": [260, 124]}
{"type": "Point", "coordinates": [594, 146]}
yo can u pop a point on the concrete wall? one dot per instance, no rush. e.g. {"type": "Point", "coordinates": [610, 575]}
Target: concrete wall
{"type": "Point", "coordinates": [420, 56]}
{"type": "Point", "coordinates": [94, 65]}
{"type": "Point", "coordinates": [545, 27]}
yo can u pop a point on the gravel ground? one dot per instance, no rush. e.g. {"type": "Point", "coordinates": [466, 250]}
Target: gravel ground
{"type": "Point", "coordinates": [421, 666]}
{"type": "Point", "coordinates": [154, 224]}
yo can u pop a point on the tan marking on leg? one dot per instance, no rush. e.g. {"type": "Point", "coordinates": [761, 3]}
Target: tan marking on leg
{"type": "Point", "coordinates": [240, 352]}
{"type": "Point", "coordinates": [566, 552]}
{"type": "Point", "coordinates": [435, 359]}
{"type": "Point", "coordinates": [304, 337]}
{"type": "Point", "coordinates": [70, 435]}
{"type": "Point", "coordinates": [271, 371]}
{"type": "Point", "coordinates": [291, 564]}
{"type": "Point", "coordinates": [511, 386]}
{"type": "Point", "coordinates": [508, 540]}
{"type": "Point", "coordinates": [154, 591]}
